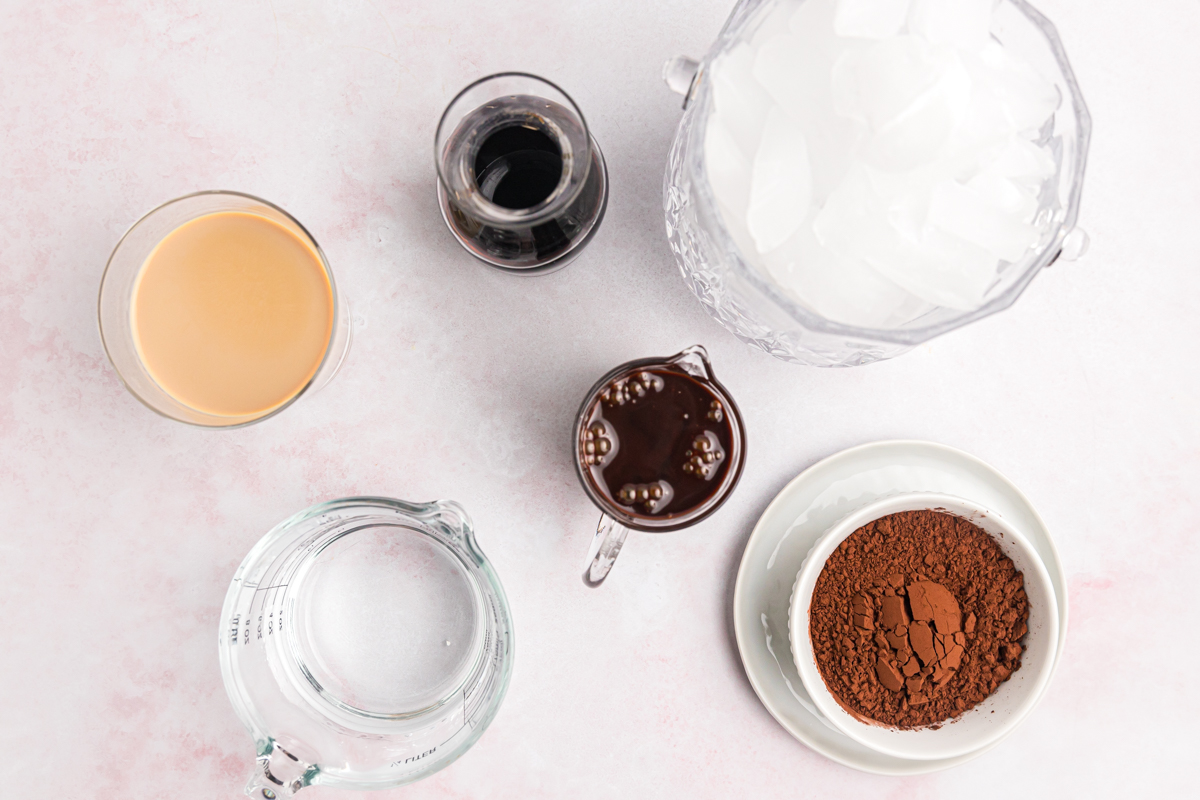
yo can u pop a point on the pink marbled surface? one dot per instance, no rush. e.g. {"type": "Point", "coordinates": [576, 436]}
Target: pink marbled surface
{"type": "Point", "coordinates": [121, 530]}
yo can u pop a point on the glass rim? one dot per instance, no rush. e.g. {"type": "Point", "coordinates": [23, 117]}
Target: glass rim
{"type": "Point", "coordinates": [524, 216]}
{"type": "Point", "coordinates": [704, 510]}
{"type": "Point", "coordinates": [216, 425]}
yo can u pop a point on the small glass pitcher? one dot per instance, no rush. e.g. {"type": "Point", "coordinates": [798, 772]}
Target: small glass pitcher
{"type": "Point", "coordinates": [704, 455]}
{"type": "Point", "coordinates": [365, 643]}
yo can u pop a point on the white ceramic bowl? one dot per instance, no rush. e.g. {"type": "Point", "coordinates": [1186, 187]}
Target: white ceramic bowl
{"type": "Point", "coordinates": [986, 722]}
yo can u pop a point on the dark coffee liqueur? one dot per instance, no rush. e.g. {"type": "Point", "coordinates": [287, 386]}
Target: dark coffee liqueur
{"type": "Point", "coordinates": [518, 167]}
{"type": "Point", "coordinates": [657, 443]}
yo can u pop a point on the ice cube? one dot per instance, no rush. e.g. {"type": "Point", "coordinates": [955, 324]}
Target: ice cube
{"type": "Point", "coordinates": [813, 19]}
{"type": "Point", "coordinates": [794, 69]}
{"type": "Point", "coordinates": [920, 133]}
{"type": "Point", "coordinates": [1027, 97]}
{"type": "Point", "coordinates": [843, 290]}
{"type": "Point", "coordinates": [870, 19]}
{"type": "Point", "coordinates": [951, 272]}
{"type": "Point", "coordinates": [1004, 195]}
{"type": "Point", "coordinates": [780, 183]}
{"type": "Point", "coordinates": [975, 217]}
{"type": "Point", "coordinates": [845, 223]}
{"type": "Point", "coordinates": [910, 96]}
{"type": "Point", "coordinates": [777, 19]}
{"type": "Point", "coordinates": [905, 197]}
{"type": "Point", "coordinates": [959, 23]}
{"type": "Point", "coordinates": [940, 268]}
{"type": "Point", "coordinates": [981, 134]}
{"type": "Point", "coordinates": [727, 167]}
{"type": "Point", "coordinates": [832, 142]}
{"type": "Point", "coordinates": [795, 77]}
{"type": "Point", "coordinates": [1024, 163]}
{"type": "Point", "coordinates": [877, 83]}
{"type": "Point", "coordinates": [739, 98]}
{"type": "Point", "coordinates": [854, 224]}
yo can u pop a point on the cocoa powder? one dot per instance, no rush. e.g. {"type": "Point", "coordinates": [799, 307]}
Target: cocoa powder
{"type": "Point", "coordinates": [916, 618]}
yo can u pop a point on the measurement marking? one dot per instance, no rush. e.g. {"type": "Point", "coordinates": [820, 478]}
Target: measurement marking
{"type": "Point", "coordinates": [416, 757]}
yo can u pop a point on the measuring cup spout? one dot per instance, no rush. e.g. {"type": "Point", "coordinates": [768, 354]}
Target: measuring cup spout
{"type": "Point", "coordinates": [278, 774]}
{"type": "Point", "coordinates": [694, 361]}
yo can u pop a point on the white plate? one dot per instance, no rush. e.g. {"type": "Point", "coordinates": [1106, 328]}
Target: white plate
{"type": "Point", "coordinates": [807, 507]}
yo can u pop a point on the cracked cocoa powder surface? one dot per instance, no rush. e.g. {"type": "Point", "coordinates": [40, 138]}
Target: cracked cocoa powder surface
{"type": "Point", "coordinates": [916, 618]}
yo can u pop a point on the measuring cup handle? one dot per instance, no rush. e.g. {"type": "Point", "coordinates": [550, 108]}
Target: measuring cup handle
{"type": "Point", "coordinates": [606, 545]}
{"type": "Point", "coordinates": [278, 773]}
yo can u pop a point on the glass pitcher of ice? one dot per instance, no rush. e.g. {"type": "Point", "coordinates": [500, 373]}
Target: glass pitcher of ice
{"type": "Point", "coordinates": [853, 177]}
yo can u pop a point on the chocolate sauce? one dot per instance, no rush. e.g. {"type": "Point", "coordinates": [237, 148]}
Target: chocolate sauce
{"type": "Point", "coordinates": [657, 443]}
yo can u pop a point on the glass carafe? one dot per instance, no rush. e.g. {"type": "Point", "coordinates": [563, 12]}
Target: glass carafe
{"type": "Point", "coordinates": [754, 308]}
{"type": "Point", "coordinates": [365, 643]}
{"type": "Point", "coordinates": [521, 181]}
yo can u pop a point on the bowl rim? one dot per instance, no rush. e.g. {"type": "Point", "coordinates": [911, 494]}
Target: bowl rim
{"type": "Point", "coordinates": [801, 644]}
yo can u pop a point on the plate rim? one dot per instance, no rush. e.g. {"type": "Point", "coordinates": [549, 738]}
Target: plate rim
{"type": "Point", "coordinates": [1056, 573]}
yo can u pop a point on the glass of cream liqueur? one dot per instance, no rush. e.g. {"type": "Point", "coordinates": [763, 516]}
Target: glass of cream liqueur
{"type": "Point", "coordinates": [659, 445]}
{"type": "Point", "coordinates": [219, 309]}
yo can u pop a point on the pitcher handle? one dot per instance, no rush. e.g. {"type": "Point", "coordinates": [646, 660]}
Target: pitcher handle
{"type": "Point", "coordinates": [1074, 245]}
{"type": "Point", "coordinates": [278, 774]}
{"type": "Point", "coordinates": [606, 546]}
{"type": "Point", "coordinates": [679, 74]}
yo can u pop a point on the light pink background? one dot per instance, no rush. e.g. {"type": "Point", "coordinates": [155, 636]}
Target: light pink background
{"type": "Point", "coordinates": [119, 531]}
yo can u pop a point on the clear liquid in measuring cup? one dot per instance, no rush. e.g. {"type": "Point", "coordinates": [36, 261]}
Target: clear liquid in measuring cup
{"type": "Point", "coordinates": [387, 620]}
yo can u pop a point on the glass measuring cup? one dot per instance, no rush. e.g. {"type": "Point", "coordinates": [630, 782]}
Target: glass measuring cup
{"type": "Point", "coordinates": [365, 643]}
{"type": "Point", "coordinates": [119, 283]}
{"type": "Point", "coordinates": [521, 182]}
{"type": "Point", "coordinates": [659, 445]}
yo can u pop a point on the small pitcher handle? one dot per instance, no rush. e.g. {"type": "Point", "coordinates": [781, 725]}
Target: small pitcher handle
{"type": "Point", "coordinates": [606, 545]}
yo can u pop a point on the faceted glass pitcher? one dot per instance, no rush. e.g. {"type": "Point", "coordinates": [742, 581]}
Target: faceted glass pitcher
{"type": "Point", "coordinates": [365, 643]}
{"type": "Point", "coordinates": [755, 308]}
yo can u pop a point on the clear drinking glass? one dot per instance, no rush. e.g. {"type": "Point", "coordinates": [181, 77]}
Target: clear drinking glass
{"type": "Point", "coordinates": [618, 518]}
{"type": "Point", "coordinates": [365, 643]}
{"type": "Point", "coordinates": [120, 278]}
{"type": "Point", "coordinates": [524, 130]}
{"type": "Point", "coordinates": [761, 314]}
